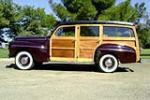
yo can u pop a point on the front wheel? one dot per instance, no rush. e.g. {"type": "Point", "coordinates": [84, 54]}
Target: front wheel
{"type": "Point", "coordinates": [24, 60]}
{"type": "Point", "coordinates": [108, 63]}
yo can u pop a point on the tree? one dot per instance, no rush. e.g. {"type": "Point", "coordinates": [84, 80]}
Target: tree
{"type": "Point", "coordinates": [144, 37]}
{"type": "Point", "coordinates": [98, 10]}
{"type": "Point", "coordinates": [144, 32]}
{"type": "Point", "coordinates": [34, 21]}
{"type": "Point", "coordinates": [102, 5]}
{"type": "Point", "coordinates": [7, 13]}
{"type": "Point", "coordinates": [124, 12]}
{"type": "Point", "coordinates": [24, 20]}
{"type": "Point", "coordinates": [80, 9]}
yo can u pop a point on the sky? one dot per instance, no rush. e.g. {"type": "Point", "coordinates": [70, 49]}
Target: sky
{"type": "Point", "coordinates": [44, 3]}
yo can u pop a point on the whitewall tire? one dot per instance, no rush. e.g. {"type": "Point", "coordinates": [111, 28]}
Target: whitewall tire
{"type": "Point", "coordinates": [24, 60]}
{"type": "Point", "coordinates": [108, 63]}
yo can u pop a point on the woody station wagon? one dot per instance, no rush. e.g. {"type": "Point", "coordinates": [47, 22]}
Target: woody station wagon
{"type": "Point", "coordinates": [105, 44]}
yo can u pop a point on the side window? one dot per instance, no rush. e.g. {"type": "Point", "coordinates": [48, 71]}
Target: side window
{"type": "Point", "coordinates": [89, 31]}
{"type": "Point", "coordinates": [111, 31]}
{"type": "Point", "coordinates": [65, 31]}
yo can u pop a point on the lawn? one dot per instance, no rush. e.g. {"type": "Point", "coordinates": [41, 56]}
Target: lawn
{"type": "Point", "coordinates": [3, 53]}
{"type": "Point", "coordinates": [145, 54]}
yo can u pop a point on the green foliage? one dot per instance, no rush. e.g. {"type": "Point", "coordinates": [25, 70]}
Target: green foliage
{"type": "Point", "coordinates": [62, 13]}
{"type": "Point", "coordinates": [98, 10]}
{"type": "Point", "coordinates": [4, 53]}
{"type": "Point", "coordinates": [37, 21]}
{"type": "Point", "coordinates": [144, 36]}
{"type": "Point", "coordinates": [124, 12]}
{"type": "Point", "coordinates": [102, 5]}
{"type": "Point", "coordinates": [140, 9]}
{"type": "Point", "coordinates": [145, 53]}
{"type": "Point", "coordinates": [144, 32]}
{"type": "Point", "coordinates": [6, 15]}
{"type": "Point", "coordinates": [80, 9]}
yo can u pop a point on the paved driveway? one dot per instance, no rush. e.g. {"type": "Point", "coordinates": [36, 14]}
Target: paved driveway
{"type": "Point", "coordinates": [74, 82]}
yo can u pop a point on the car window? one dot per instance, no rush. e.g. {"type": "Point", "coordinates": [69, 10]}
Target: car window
{"type": "Point", "coordinates": [65, 31]}
{"type": "Point", "coordinates": [89, 30]}
{"type": "Point", "coordinates": [111, 31]}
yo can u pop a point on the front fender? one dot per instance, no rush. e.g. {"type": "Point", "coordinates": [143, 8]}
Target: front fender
{"type": "Point", "coordinates": [124, 54]}
{"type": "Point", "coordinates": [39, 50]}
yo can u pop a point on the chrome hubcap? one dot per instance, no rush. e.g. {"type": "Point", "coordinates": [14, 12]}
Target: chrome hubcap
{"type": "Point", "coordinates": [108, 62]}
{"type": "Point", "coordinates": [24, 60]}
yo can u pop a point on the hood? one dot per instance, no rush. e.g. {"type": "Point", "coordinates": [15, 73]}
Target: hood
{"type": "Point", "coordinates": [30, 38]}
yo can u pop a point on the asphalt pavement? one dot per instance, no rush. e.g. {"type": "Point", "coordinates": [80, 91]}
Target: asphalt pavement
{"type": "Point", "coordinates": [74, 82]}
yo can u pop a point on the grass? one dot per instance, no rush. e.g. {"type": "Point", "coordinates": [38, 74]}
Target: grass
{"type": "Point", "coordinates": [145, 54]}
{"type": "Point", "coordinates": [4, 53]}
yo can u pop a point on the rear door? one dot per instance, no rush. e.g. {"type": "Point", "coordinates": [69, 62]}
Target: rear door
{"type": "Point", "coordinates": [89, 39]}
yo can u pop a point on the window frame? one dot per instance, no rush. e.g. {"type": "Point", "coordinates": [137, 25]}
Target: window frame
{"type": "Point", "coordinates": [119, 26]}
{"type": "Point", "coordinates": [90, 25]}
{"type": "Point", "coordinates": [61, 26]}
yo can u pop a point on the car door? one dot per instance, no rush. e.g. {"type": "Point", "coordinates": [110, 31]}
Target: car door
{"type": "Point", "coordinates": [62, 44]}
{"type": "Point", "coordinates": [89, 40]}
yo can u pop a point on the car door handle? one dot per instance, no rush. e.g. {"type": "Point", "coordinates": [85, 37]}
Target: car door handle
{"type": "Point", "coordinates": [97, 41]}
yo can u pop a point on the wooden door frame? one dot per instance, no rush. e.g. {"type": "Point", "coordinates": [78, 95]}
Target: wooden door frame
{"type": "Point", "coordinates": [63, 59]}
{"type": "Point", "coordinates": [99, 38]}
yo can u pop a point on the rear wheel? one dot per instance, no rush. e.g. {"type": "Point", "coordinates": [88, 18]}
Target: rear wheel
{"type": "Point", "coordinates": [108, 63]}
{"type": "Point", "coordinates": [24, 60]}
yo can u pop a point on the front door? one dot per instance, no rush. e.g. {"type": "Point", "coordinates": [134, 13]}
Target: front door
{"type": "Point", "coordinates": [62, 44]}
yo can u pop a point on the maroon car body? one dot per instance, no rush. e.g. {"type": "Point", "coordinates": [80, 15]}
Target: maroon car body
{"type": "Point", "coordinates": [37, 46]}
{"type": "Point", "coordinates": [107, 50]}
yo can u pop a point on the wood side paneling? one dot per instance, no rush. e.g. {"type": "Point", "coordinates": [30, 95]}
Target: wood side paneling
{"type": "Point", "coordinates": [63, 53]}
{"type": "Point", "coordinates": [127, 43]}
{"type": "Point", "coordinates": [86, 53]}
{"type": "Point", "coordinates": [87, 47]}
{"type": "Point", "coordinates": [88, 44]}
{"type": "Point", "coordinates": [63, 43]}
{"type": "Point", "coordinates": [63, 48]}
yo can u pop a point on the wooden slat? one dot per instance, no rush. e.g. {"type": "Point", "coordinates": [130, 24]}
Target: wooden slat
{"type": "Point", "coordinates": [87, 47]}
{"type": "Point", "coordinates": [88, 44]}
{"type": "Point", "coordinates": [86, 53]}
{"type": "Point", "coordinates": [62, 53]}
{"type": "Point", "coordinates": [127, 43]}
{"type": "Point", "coordinates": [62, 47]}
{"type": "Point", "coordinates": [63, 43]}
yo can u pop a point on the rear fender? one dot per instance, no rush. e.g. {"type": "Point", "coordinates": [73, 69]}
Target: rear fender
{"type": "Point", "coordinates": [124, 54]}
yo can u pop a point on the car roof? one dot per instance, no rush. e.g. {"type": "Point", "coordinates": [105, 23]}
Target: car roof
{"type": "Point", "coordinates": [95, 22]}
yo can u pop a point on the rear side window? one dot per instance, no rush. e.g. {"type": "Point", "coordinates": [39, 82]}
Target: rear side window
{"type": "Point", "coordinates": [89, 31]}
{"type": "Point", "coordinates": [111, 31]}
